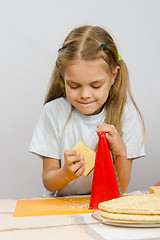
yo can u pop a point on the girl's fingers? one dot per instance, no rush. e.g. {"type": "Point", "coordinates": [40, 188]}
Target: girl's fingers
{"type": "Point", "coordinates": [109, 137]}
{"type": "Point", "coordinates": [74, 163]}
{"type": "Point", "coordinates": [109, 129]}
{"type": "Point", "coordinates": [77, 166]}
{"type": "Point", "coordinates": [70, 153]}
{"type": "Point", "coordinates": [73, 159]}
{"type": "Point", "coordinates": [79, 172]}
{"type": "Point", "coordinates": [72, 156]}
{"type": "Point", "coordinates": [115, 141]}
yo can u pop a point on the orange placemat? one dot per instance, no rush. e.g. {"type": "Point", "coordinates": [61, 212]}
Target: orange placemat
{"type": "Point", "coordinates": [57, 206]}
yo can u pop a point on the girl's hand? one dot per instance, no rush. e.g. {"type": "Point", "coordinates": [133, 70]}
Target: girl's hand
{"type": "Point", "coordinates": [115, 141]}
{"type": "Point", "coordinates": [74, 164]}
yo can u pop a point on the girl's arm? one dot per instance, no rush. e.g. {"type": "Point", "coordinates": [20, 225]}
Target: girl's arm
{"type": "Point", "coordinates": [123, 167]}
{"type": "Point", "coordinates": [122, 164]}
{"type": "Point", "coordinates": [56, 177]}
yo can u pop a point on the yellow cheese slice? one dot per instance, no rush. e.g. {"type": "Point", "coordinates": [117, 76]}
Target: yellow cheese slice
{"type": "Point", "coordinates": [155, 190]}
{"type": "Point", "coordinates": [88, 156]}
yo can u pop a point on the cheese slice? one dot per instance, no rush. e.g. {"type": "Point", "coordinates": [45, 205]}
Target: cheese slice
{"type": "Point", "coordinates": [155, 190]}
{"type": "Point", "coordinates": [88, 157]}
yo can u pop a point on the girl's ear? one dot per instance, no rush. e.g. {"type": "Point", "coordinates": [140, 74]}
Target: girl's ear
{"type": "Point", "coordinates": [114, 74]}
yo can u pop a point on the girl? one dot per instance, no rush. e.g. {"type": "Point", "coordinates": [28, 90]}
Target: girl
{"type": "Point", "coordinates": [89, 93]}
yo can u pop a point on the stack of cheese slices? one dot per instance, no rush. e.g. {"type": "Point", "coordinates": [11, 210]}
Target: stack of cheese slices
{"type": "Point", "coordinates": [141, 208]}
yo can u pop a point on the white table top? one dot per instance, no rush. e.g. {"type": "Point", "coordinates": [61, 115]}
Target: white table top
{"type": "Point", "coordinates": [57, 227]}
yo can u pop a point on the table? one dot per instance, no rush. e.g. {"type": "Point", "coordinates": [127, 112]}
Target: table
{"type": "Point", "coordinates": [68, 227]}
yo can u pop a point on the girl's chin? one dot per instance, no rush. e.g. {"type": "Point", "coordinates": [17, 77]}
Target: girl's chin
{"type": "Point", "coordinates": [89, 112]}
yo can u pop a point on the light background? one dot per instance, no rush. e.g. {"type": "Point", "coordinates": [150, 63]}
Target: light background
{"type": "Point", "coordinates": [31, 32]}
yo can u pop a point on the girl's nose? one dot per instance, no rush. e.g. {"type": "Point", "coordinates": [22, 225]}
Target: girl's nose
{"type": "Point", "coordinates": [85, 93]}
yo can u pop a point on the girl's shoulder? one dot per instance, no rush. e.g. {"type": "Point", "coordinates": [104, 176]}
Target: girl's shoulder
{"type": "Point", "coordinates": [58, 105]}
{"type": "Point", "coordinates": [130, 112]}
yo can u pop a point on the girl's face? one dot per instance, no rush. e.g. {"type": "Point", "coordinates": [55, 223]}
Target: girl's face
{"type": "Point", "coordinates": [87, 85]}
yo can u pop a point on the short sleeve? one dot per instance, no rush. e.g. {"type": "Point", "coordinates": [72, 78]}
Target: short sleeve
{"type": "Point", "coordinates": [132, 132]}
{"type": "Point", "coordinates": [45, 139]}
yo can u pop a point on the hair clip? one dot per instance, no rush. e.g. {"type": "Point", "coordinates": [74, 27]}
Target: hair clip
{"type": "Point", "coordinates": [119, 57]}
{"type": "Point", "coordinates": [104, 46]}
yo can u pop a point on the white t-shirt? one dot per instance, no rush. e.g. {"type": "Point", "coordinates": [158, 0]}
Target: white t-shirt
{"type": "Point", "coordinates": [52, 136]}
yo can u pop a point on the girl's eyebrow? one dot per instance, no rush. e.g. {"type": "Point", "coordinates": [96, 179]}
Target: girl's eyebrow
{"type": "Point", "coordinates": [70, 81]}
{"type": "Point", "coordinates": [96, 81]}
{"type": "Point", "coordinates": [99, 80]}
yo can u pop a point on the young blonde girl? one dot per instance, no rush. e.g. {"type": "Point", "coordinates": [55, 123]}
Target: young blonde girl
{"type": "Point", "coordinates": [89, 92]}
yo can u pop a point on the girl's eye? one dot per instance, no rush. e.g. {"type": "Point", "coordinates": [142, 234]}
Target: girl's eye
{"type": "Point", "coordinates": [73, 87]}
{"type": "Point", "coordinates": [96, 87]}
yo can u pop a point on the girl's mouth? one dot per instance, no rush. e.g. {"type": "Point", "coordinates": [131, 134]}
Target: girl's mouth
{"type": "Point", "coordinates": [85, 103]}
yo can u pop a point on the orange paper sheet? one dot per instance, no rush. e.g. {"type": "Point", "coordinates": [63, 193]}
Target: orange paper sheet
{"type": "Point", "coordinates": [58, 206]}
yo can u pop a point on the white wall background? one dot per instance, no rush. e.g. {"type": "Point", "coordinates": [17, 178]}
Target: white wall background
{"type": "Point", "coordinates": [31, 31]}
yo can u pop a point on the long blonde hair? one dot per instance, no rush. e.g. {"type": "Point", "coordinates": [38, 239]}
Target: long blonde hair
{"type": "Point", "coordinates": [84, 43]}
